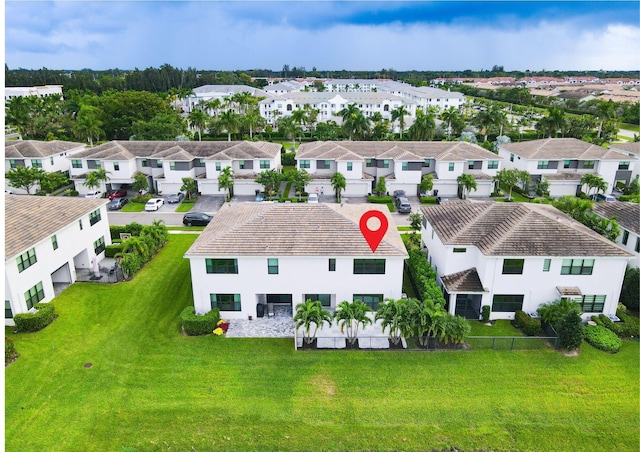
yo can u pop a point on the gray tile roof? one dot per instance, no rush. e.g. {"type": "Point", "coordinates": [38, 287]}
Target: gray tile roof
{"type": "Point", "coordinates": [562, 149]}
{"type": "Point", "coordinates": [627, 213]}
{"type": "Point", "coordinates": [273, 229]}
{"type": "Point", "coordinates": [464, 281]}
{"type": "Point", "coordinates": [516, 229]}
{"type": "Point", "coordinates": [402, 150]}
{"type": "Point", "coordinates": [30, 219]}
{"type": "Point", "coordinates": [182, 150]}
{"type": "Point", "coordinates": [633, 147]}
{"type": "Point", "coordinates": [17, 149]}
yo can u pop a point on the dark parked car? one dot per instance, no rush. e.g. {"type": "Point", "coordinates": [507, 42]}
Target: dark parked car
{"type": "Point", "coordinates": [175, 198]}
{"type": "Point", "coordinates": [399, 194]}
{"type": "Point", "coordinates": [196, 219]}
{"type": "Point", "coordinates": [117, 194]}
{"type": "Point", "coordinates": [117, 203]}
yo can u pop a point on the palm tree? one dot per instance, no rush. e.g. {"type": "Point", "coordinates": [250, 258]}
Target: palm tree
{"type": "Point", "coordinates": [450, 116]}
{"type": "Point", "coordinates": [506, 178]}
{"type": "Point", "coordinates": [398, 114]}
{"type": "Point", "coordinates": [350, 316]}
{"type": "Point", "coordinates": [225, 181]}
{"type": "Point", "coordinates": [468, 183]}
{"type": "Point", "coordinates": [354, 122]}
{"type": "Point", "coordinates": [229, 121]}
{"type": "Point", "coordinates": [88, 125]}
{"type": "Point", "coordinates": [491, 119]}
{"type": "Point", "coordinates": [424, 126]}
{"type": "Point", "coordinates": [339, 183]}
{"type": "Point", "coordinates": [289, 129]}
{"type": "Point", "coordinates": [311, 313]}
{"type": "Point", "coordinates": [198, 120]}
{"type": "Point", "coordinates": [396, 315]}
{"type": "Point", "coordinates": [452, 328]}
{"type": "Point", "coordinates": [593, 181]}
{"type": "Point", "coordinates": [552, 313]}
{"type": "Point", "coordinates": [253, 120]}
{"type": "Point", "coordinates": [606, 111]}
{"type": "Point", "coordinates": [95, 178]}
{"type": "Point", "coordinates": [424, 324]}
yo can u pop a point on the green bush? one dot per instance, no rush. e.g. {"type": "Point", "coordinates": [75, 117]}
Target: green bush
{"type": "Point", "coordinates": [35, 321]}
{"type": "Point", "coordinates": [602, 338]}
{"type": "Point", "coordinates": [570, 331]}
{"type": "Point", "coordinates": [112, 250]}
{"type": "Point", "coordinates": [528, 325]}
{"type": "Point", "coordinates": [626, 328]}
{"type": "Point", "coordinates": [630, 198]}
{"type": "Point", "coordinates": [132, 228]}
{"type": "Point", "coordinates": [197, 325]}
{"type": "Point", "coordinates": [428, 199]}
{"type": "Point", "coordinates": [486, 313]}
{"type": "Point", "coordinates": [142, 199]}
{"type": "Point", "coordinates": [380, 199]}
{"type": "Point", "coordinates": [424, 277]}
{"type": "Point", "coordinates": [630, 296]}
{"type": "Point", "coordinates": [288, 159]}
{"type": "Point", "coordinates": [10, 352]}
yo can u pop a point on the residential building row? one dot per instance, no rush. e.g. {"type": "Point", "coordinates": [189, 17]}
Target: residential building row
{"type": "Point", "coordinates": [48, 241]}
{"type": "Point", "coordinates": [627, 215]}
{"type": "Point", "coordinates": [25, 91]}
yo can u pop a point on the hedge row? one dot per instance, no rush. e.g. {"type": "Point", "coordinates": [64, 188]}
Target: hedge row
{"type": "Point", "coordinates": [602, 338]}
{"type": "Point", "coordinates": [35, 321]}
{"type": "Point", "coordinates": [197, 325]}
{"type": "Point", "coordinates": [424, 277]}
{"type": "Point", "coordinates": [621, 329]}
{"type": "Point", "coordinates": [133, 228]}
{"type": "Point", "coordinates": [112, 250]}
{"type": "Point", "coordinates": [528, 325]}
{"type": "Point", "coordinates": [428, 200]}
{"type": "Point", "coordinates": [380, 199]}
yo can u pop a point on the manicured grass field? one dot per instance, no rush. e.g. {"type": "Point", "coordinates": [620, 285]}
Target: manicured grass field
{"type": "Point", "coordinates": [186, 205]}
{"type": "Point", "coordinates": [151, 388]}
{"type": "Point", "coordinates": [133, 207]}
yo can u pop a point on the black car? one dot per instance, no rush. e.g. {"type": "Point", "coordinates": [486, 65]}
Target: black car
{"type": "Point", "coordinates": [117, 203]}
{"type": "Point", "coordinates": [399, 194]}
{"type": "Point", "coordinates": [196, 219]}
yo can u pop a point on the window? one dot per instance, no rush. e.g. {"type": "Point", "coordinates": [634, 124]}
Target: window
{"type": "Point", "coordinates": [225, 301]}
{"type": "Point", "coordinates": [512, 266]}
{"type": "Point", "coordinates": [368, 163]}
{"type": "Point", "coordinates": [80, 224]}
{"type": "Point", "coordinates": [332, 265]}
{"type": "Point", "coordinates": [305, 164]}
{"type": "Point", "coordinates": [638, 245]}
{"type": "Point", "coordinates": [116, 166]}
{"type": "Point", "coordinates": [54, 242]}
{"type": "Point", "coordinates": [493, 164]}
{"type": "Point", "coordinates": [144, 163]}
{"type": "Point", "coordinates": [98, 164]}
{"type": "Point", "coordinates": [368, 266]}
{"type": "Point", "coordinates": [591, 303]}
{"type": "Point", "coordinates": [625, 236]}
{"type": "Point", "coordinates": [172, 166]}
{"type": "Point", "coordinates": [589, 164]}
{"type": "Point", "coordinates": [201, 163]}
{"type": "Point", "coordinates": [459, 250]}
{"type": "Point", "coordinates": [567, 163]}
{"type": "Point", "coordinates": [426, 163]}
{"type": "Point", "coordinates": [94, 217]}
{"type": "Point", "coordinates": [405, 166]}
{"type": "Point", "coordinates": [265, 164]}
{"type": "Point", "coordinates": [323, 164]}
{"type": "Point", "coordinates": [34, 295]}
{"type": "Point", "coordinates": [623, 166]}
{"type": "Point", "coordinates": [452, 166]}
{"type": "Point", "coordinates": [12, 163]}
{"type": "Point", "coordinates": [543, 164]}
{"type": "Point", "coordinates": [228, 266]}
{"type": "Point", "coordinates": [76, 163]}
{"type": "Point", "coordinates": [507, 303]}
{"type": "Point", "coordinates": [371, 300]}
{"type": "Point", "coordinates": [218, 166]}
{"type": "Point", "coordinates": [323, 298]}
{"type": "Point", "coordinates": [98, 245]}
{"type": "Point", "coordinates": [36, 163]}
{"type": "Point", "coordinates": [8, 314]}
{"type": "Point", "coordinates": [385, 163]}
{"type": "Point", "coordinates": [511, 157]}
{"type": "Point", "coordinates": [547, 265]}
{"type": "Point", "coordinates": [159, 163]}
{"type": "Point", "coordinates": [577, 267]}
{"type": "Point", "coordinates": [472, 164]}
{"type": "Point", "coordinates": [349, 166]}
{"type": "Point", "coordinates": [272, 266]}
{"type": "Point", "coordinates": [26, 260]}
{"type": "Point", "coordinates": [242, 164]}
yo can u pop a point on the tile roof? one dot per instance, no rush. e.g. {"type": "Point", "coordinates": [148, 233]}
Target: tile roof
{"type": "Point", "coordinates": [273, 229]}
{"type": "Point", "coordinates": [402, 150]}
{"type": "Point", "coordinates": [182, 150]}
{"type": "Point", "coordinates": [464, 281]}
{"type": "Point", "coordinates": [516, 229]}
{"type": "Point", "coordinates": [627, 213]}
{"type": "Point", "coordinates": [561, 149]}
{"type": "Point", "coordinates": [632, 147]}
{"type": "Point", "coordinates": [30, 219]}
{"type": "Point", "coordinates": [16, 149]}
{"type": "Point", "coordinates": [313, 97]}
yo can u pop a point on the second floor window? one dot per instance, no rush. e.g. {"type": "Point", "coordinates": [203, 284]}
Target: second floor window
{"type": "Point", "coordinates": [26, 260]}
{"type": "Point", "coordinates": [452, 166]}
{"type": "Point", "coordinates": [589, 164]}
{"type": "Point", "coordinates": [493, 164]}
{"type": "Point", "coordinates": [305, 164]}
{"type": "Point", "coordinates": [272, 266]}
{"type": "Point", "coordinates": [265, 164]}
{"type": "Point", "coordinates": [543, 164]}
{"type": "Point", "coordinates": [76, 163]}
{"type": "Point", "coordinates": [512, 266]}
{"type": "Point", "coordinates": [229, 266]}
{"type": "Point", "coordinates": [349, 166]}
{"type": "Point", "coordinates": [369, 266]}
{"type": "Point", "coordinates": [36, 163]}
{"type": "Point", "coordinates": [94, 217]}
{"type": "Point", "coordinates": [577, 267]}
{"type": "Point", "coordinates": [99, 245]}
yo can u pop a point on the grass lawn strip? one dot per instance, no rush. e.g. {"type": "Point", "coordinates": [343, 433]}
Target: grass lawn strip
{"type": "Point", "coordinates": [151, 388]}
{"type": "Point", "coordinates": [133, 207]}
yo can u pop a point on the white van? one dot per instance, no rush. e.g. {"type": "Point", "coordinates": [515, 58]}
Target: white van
{"type": "Point", "coordinates": [313, 198]}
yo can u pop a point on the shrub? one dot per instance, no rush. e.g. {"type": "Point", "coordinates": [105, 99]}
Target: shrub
{"type": "Point", "coordinates": [570, 331]}
{"type": "Point", "coordinates": [10, 352]}
{"type": "Point", "coordinates": [132, 228]}
{"type": "Point", "coordinates": [626, 328]}
{"type": "Point", "coordinates": [380, 199]}
{"type": "Point", "coordinates": [528, 325]}
{"type": "Point", "coordinates": [70, 192]}
{"type": "Point", "coordinates": [630, 198]}
{"type": "Point", "coordinates": [35, 321]}
{"type": "Point", "coordinates": [630, 296]}
{"type": "Point", "coordinates": [142, 199]}
{"type": "Point", "coordinates": [424, 277]}
{"type": "Point", "coordinates": [486, 313]}
{"type": "Point", "coordinates": [602, 338]}
{"type": "Point", "coordinates": [288, 159]}
{"type": "Point", "coordinates": [552, 313]}
{"type": "Point", "coordinates": [428, 199]}
{"type": "Point", "coordinates": [197, 325]}
{"type": "Point", "coordinates": [112, 250]}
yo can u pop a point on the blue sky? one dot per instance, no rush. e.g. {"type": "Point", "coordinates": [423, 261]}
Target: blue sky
{"type": "Point", "coordinates": [352, 35]}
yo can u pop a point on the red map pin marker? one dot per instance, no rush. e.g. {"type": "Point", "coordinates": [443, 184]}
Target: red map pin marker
{"type": "Point", "coordinates": [373, 237]}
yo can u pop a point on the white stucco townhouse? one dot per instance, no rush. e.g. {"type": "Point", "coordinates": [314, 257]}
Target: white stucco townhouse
{"type": "Point", "coordinates": [563, 162]}
{"type": "Point", "coordinates": [166, 163]}
{"type": "Point", "coordinates": [223, 93]}
{"type": "Point", "coordinates": [402, 163]}
{"type": "Point", "coordinates": [51, 156]}
{"type": "Point", "coordinates": [48, 240]}
{"type": "Point", "coordinates": [513, 256]}
{"type": "Point", "coordinates": [627, 214]}
{"type": "Point", "coordinates": [260, 253]}
{"type": "Point", "coordinates": [632, 151]}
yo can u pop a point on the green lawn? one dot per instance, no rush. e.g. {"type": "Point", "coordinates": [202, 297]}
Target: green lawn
{"type": "Point", "coordinates": [186, 205]}
{"type": "Point", "coordinates": [631, 127]}
{"type": "Point", "coordinates": [133, 207]}
{"type": "Point", "coordinates": [151, 388]}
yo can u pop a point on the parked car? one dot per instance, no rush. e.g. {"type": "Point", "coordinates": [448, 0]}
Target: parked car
{"type": "Point", "coordinates": [603, 198]}
{"type": "Point", "coordinates": [313, 198]}
{"type": "Point", "coordinates": [153, 204]}
{"type": "Point", "coordinates": [175, 198]}
{"type": "Point", "coordinates": [117, 194]}
{"type": "Point", "coordinates": [117, 203]}
{"type": "Point", "coordinates": [196, 219]}
{"type": "Point", "coordinates": [402, 205]}
{"type": "Point", "coordinates": [399, 194]}
{"type": "Point", "coordinates": [93, 194]}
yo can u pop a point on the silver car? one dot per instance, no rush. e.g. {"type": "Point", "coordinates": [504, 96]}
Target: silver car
{"type": "Point", "coordinates": [175, 198]}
